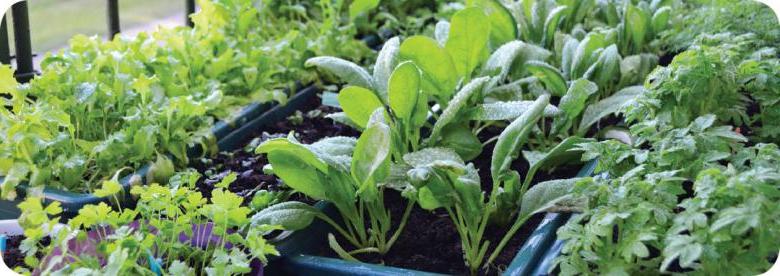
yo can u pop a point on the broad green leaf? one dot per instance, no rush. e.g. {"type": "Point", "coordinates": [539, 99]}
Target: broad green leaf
{"type": "Point", "coordinates": [551, 25]}
{"type": "Point", "coordinates": [342, 118]}
{"type": "Point", "coordinates": [634, 69]}
{"type": "Point", "coordinates": [500, 61]}
{"type": "Point", "coordinates": [333, 146]}
{"type": "Point", "coordinates": [298, 174]}
{"type": "Point", "coordinates": [584, 54]}
{"type": "Point", "coordinates": [611, 105]}
{"type": "Point", "coordinates": [461, 139]}
{"type": "Point", "coordinates": [513, 137]}
{"type": "Point", "coordinates": [549, 75]}
{"type": "Point", "coordinates": [661, 19]}
{"type": "Point", "coordinates": [8, 83]}
{"type": "Point", "coordinates": [610, 13]}
{"type": "Point", "coordinates": [637, 23]}
{"type": "Point", "coordinates": [290, 215]}
{"type": "Point", "coordinates": [404, 90]}
{"type": "Point", "coordinates": [358, 103]}
{"type": "Point", "coordinates": [442, 32]}
{"type": "Point", "coordinates": [348, 71]}
{"type": "Point", "coordinates": [429, 156]}
{"type": "Point", "coordinates": [468, 39]}
{"type": "Point", "coordinates": [562, 153]}
{"type": "Point", "coordinates": [506, 110]}
{"type": "Point", "coordinates": [438, 70]}
{"type": "Point", "coordinates": [358, 7]}
{"type": "Point", "coordinates": [470, 195]}
{"type": "Point", "coordinates": [386, 61]}
{"type": "Point", "coordinates": [427, 200]}
{"type": "Point", "coordinates": [456, 106]}
{"type": "Point", "coordinates": [503, 27]}
{"type": "Point", "coordinates": [548, 195]}
{"type": "Point", "coordinates": [293, 148]}
{"type": "Point", "coordinates": [371, 160]}
{"type": "Point", "coordinates": [573, 103]}
{"type": "Point", "coordinates": [607, 67]}
{"type": "Point", "coordinates": [568, 52]}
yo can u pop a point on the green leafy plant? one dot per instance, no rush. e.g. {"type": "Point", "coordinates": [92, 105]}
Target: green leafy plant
{"type": "Point", "coordinates": [104, 105]}
{"type": "Point", "coordinates": [346, 172]}
{"type": "Point", "coordinates": [438, 178]}
{"type": "Point", "coordinates": [729, 225]}
{"type": "Point", "coordinates": [706, 230]}
{"type": "Point", "coordinates": [170, 230]}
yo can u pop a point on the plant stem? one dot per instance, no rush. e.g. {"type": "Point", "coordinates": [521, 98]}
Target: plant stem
{"type": "Point", "coordinates": [338, 228]}
{"type": "Point", "coordinates": [404, 219]}
{"type": "Point", "coordinates": [516, 226]}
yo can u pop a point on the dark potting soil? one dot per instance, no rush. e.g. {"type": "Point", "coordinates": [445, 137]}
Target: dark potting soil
{"type": "Point", "coordinates": [309, 125]}
{"type": "Point", "coordinates": [430, 241]}
{"type": "Point", "coordinates": [13, 256]}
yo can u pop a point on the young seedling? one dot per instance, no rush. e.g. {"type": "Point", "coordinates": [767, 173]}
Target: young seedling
{"type": "Point", "coordinates": [346, 172]}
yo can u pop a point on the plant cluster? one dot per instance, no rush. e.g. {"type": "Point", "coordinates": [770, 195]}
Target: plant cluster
{"type": "Point", "coordinates": [422, 88]}
{"type": "Point", "coordinates": [690, 193]}
{"type": "Point", "coordinates": [171, 230]}
{"type": "Point", "coordinates": [456, 115]}
{"type": "Point", "coordinates": [100, 106]}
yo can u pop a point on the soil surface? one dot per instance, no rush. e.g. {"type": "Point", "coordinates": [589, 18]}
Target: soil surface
{"type": "Point", "coordinates": [13, 256]}
{"type": "Point", "coordinates": [309, 126]}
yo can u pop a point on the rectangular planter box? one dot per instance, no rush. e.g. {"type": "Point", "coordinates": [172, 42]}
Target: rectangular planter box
{"type": "Point", "coordinates": [230, 135]}
{"type": "Point", "coordinates": [295, 249]}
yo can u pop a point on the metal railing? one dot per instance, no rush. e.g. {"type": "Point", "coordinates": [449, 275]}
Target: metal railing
{"type": "Point", "coordinates": [23, 45]}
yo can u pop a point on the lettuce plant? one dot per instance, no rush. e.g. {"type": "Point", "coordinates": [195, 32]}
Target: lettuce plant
{"type": "Point", "coordinates": [171, 230]}
{"type": "Point", "coordinates": [346, 172]}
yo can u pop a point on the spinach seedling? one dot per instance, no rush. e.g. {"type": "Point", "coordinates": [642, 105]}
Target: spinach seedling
{"type": "Point", "coordinates": [345, 172]}
{"type": "Point", "coordinates": [439, 178]}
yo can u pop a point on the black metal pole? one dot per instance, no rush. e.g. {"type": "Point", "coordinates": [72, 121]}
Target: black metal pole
{"type": "Point", "coordinates": [5, 52]}
{"type": "Point", "coordinates": [24, 61]}
{"type": "Point", "coordinates": [113, 18]}
{"type": "Point", "coordinates": [190, 10]}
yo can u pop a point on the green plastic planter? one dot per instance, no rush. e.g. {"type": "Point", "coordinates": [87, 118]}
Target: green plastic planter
{"type": "Point", "coordinates": [230, 135]}
{"type": "Point", "coordinates": [297, 259]}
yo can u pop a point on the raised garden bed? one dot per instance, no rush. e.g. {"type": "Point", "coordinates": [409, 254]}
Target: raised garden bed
{"type": "Point", "coordinates": [252, 117]}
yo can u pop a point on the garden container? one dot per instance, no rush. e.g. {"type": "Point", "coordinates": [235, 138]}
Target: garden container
{"type": "Point", "coordinates": [230, 135]}
{"type": "Point", "coordinates": [297, 249]}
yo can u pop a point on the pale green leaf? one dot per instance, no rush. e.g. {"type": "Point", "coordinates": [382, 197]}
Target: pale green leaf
{"type": "Point", "coordinates": [386, 61]}
{"type": "Point", "coordinates": [456, 106]}
{"type": "Point", "coordinates": [548, 195]}
{"type": "Point", "coordinates": [358, 103]}
{"type": "Point", "coordinates": [290, 215]}
{"type": "Point", "coordinates": [514, 136]}
{"type": "Point", "coordinates": [468, 39]}
{"type": "Point", "coordinates": [404, 90]}
{"type": "Point", "coordinates": [438, 70]}
{"type": "Point", "coordinates": [348, 71]}
{"type": "Point", "coordinates": [611, 105]}
{"type": "Point", "coordinates": [507, 110]}
{"type": "Point", "coordinates": [549, 75]}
